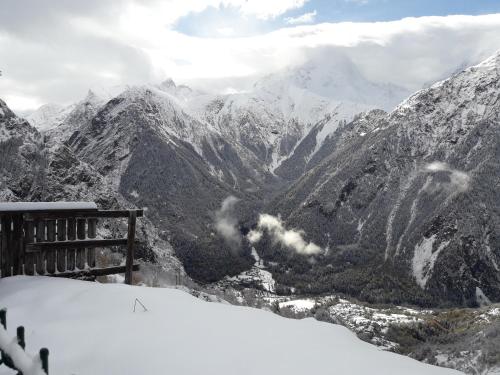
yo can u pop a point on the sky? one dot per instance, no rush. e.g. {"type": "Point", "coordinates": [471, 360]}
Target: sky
{"type": "Point", "coordinates": [54, 51]}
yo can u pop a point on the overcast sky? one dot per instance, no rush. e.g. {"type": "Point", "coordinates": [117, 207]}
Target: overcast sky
{"type": "Point", "coordinates": [55, 50]}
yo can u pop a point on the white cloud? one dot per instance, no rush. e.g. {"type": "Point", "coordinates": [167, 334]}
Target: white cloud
{"type": "Point", "coordinates": [304, 18]}
{"type": "Point", "coordinates": [53, 54]}
{"type": "Point", "coordinates": [265, 9]}
{"type": "Point", "coordinates": [171, 10]}
{"type": "Point", "coordinates": [290, 238]}
{"type": "Point", "coordinates": [226, 31]}
{"type": "Point", "coordinates": [226, 222]}
{"type": "Point", "coordinates": [458, 182]}
{"type": "Point", "coordinates": [359, 2]}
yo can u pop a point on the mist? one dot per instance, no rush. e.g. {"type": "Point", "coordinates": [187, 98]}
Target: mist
{"type": "Point", "coordinates": [459, 181]}
{"type": "Point", "coordinates": [226, 223]}
{"type": "Point", "coordinates": [290, 238]}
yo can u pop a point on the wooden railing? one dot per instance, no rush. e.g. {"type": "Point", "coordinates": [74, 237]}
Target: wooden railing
{"type": "Point", "coordinates": [61, 243]}
{"type": "Point", "coordinates": [13, 356]}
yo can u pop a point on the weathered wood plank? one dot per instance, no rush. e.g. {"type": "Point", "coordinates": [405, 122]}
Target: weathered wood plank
{"type": "Point", "coordinates": [130, 247]}
{"type": "Point", "coordinates": [80, 214]}
{"type": "Point", "coordinates": [92, 233]}
{"type": "Point", "coordinates": [76, 244]}
{"type": "Point", "coordinates": [29, 258]}
{"type": "Point", "coordinates": [61, 252]}
{"type": "Point", "coordinates": [70, 252]}
{"type": "Point", "coordinates": [51, 237]}
{"type": "Point", "coordinates": [1, 244]}
{"type": "Point", "coordinates": [6, 229]}
{"type": "Point", "coordinates": [97, 271]}
{"type": "Point", "coordinates": [17, 250]}
{"type": "Point", "coordinates": [80, 234]}
{"type": "Point", "coordinates": [40, 256]}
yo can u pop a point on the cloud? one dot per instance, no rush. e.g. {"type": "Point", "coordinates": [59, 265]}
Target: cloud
{"type": "Point", "coordinates": [458, 181]}
{"type": "Point", "coordinates": [265, 9]}
{"type": "Point", "coordinates": [226, 223]}
{"type": "Point", "coordinates": [359, 2]}
{"type": "Point", "coordinates": [305, 18]}
{"type": "Point", "coordinates": [226, 31]}
{"type": "Point", "coordinates": [54, 51]}
{"type": "Point", "coordinates": [290, 238]}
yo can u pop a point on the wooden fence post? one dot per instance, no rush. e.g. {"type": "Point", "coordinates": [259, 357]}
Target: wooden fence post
{"type": "Point", "coordinates": [61, 253]}
{"type": "Point", "coordinates": [6, 227]}
{"type": "Point", "coordinates": [44, 358]}
{"type": "Point", "coordinates": [29, 258]}
{"type": "Point", "coordinates": [17, 251]}
{"type": "Point", "coordinates": [40, 256]}
{"type": "Point", "coordinates": [130, 247]}
{"type": "Point", "coordinates": [3, 318]}
{"type": "Point", "coordinates": [71, 253]}
{"type": "Point", "coordinates": [80, 234]}
{"type": "Point", "coordinates": [92, 233]}
{"type": "Point", "coordinates": [20, 337]}
{"type": "Point", "coordinates": [51, 255]}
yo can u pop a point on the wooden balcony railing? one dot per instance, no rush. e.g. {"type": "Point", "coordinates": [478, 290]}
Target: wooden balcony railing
{"type": "Point", "coordinates": [60, 240]}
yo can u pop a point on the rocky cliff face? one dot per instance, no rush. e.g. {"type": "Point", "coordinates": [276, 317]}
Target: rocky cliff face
{"type": "Point", "coordinates": [406, 205]}
{"type": "Point", "coordinates": [33, 169]}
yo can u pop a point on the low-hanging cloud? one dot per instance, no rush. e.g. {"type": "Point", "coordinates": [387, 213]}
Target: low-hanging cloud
{"type": "Point", "coordinates": [226, 223]}
{"type": "Point", "coordinates": [119, 42]}
{"type": "Point", "coordinates": [459, 181]}
{"type": "Point", "coordinates": [290, 238]}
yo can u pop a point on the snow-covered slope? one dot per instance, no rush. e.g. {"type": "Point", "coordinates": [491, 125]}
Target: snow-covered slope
{"type": "Point", "coordinates": [330, 75]}
{"type": "Point", "coordinates": [272, 118]}
{"type": "Point", "coordinates": [407, 201]}
{"type": "Point", "coordinates": [91, 328]}
{"type": "Point", "coordinates": [48, 116]}
{"type": "Point", "coordinates": [77, 117]}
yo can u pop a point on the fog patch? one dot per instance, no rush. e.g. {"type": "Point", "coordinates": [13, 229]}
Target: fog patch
{"type": "Point", "coordinates": [459, 181]}
{"type": "Point", "coordinates": [226, 223]}
{"type": "Point", "coordinates": [292, 239]}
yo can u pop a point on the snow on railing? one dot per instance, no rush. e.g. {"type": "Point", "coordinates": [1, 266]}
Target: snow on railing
{"type": "Point", "coordinates": [13, 354]}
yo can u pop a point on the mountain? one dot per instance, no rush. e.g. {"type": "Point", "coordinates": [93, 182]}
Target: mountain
{"type": "Point", "coordinates": [398, 202]}
{"type": "Point", "coordinates": [403, 204]}
{"type": "Point", "coordinates": [35, 170]}
{"type": "Point", "coordinates": [191, 336]}
{"type": "Point", "coordinates": [159, 157]}
{"type": "Point", "coordinates": [181, 152]}
{"type": "Point", "coordinates": [282, 107]}
{"type": "Point", "coordinates": [48, 116]}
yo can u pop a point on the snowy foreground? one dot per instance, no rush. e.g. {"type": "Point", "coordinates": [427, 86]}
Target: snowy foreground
{"type": "Point", "coordinates": [91, 328]}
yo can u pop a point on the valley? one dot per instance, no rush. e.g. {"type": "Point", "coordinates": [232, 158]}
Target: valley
{"type": "Point", "coordinates": [301, 197]}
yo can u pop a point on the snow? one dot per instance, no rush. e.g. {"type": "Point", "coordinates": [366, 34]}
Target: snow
{"type": "Point", "coordinates": [49, 116]}
{"type": "Point", "coordinates": [403, 189]}
{"type": "Point", "coordinates": [490, 253]}
{"type": "Point", "coordinates": [257, 274]}
{"type": "Point", "coordinates": [44, 206]}
{"type": "Point", "coordinates": [299, 304]}
{"type": "Point", "coordinates": [27, 364]}
{"type": "Point", "coordinates": [454, 105]}
{"type": "Point", "coordinates": [91, 328]}
{"type": "Point", "coordinates": [481, 298]}
{"type": "Point", "coordinates": [424, 259]}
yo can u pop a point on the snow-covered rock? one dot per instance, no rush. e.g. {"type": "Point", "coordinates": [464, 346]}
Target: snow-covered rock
{"type": "Point", "coordinates": [48, 116]}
